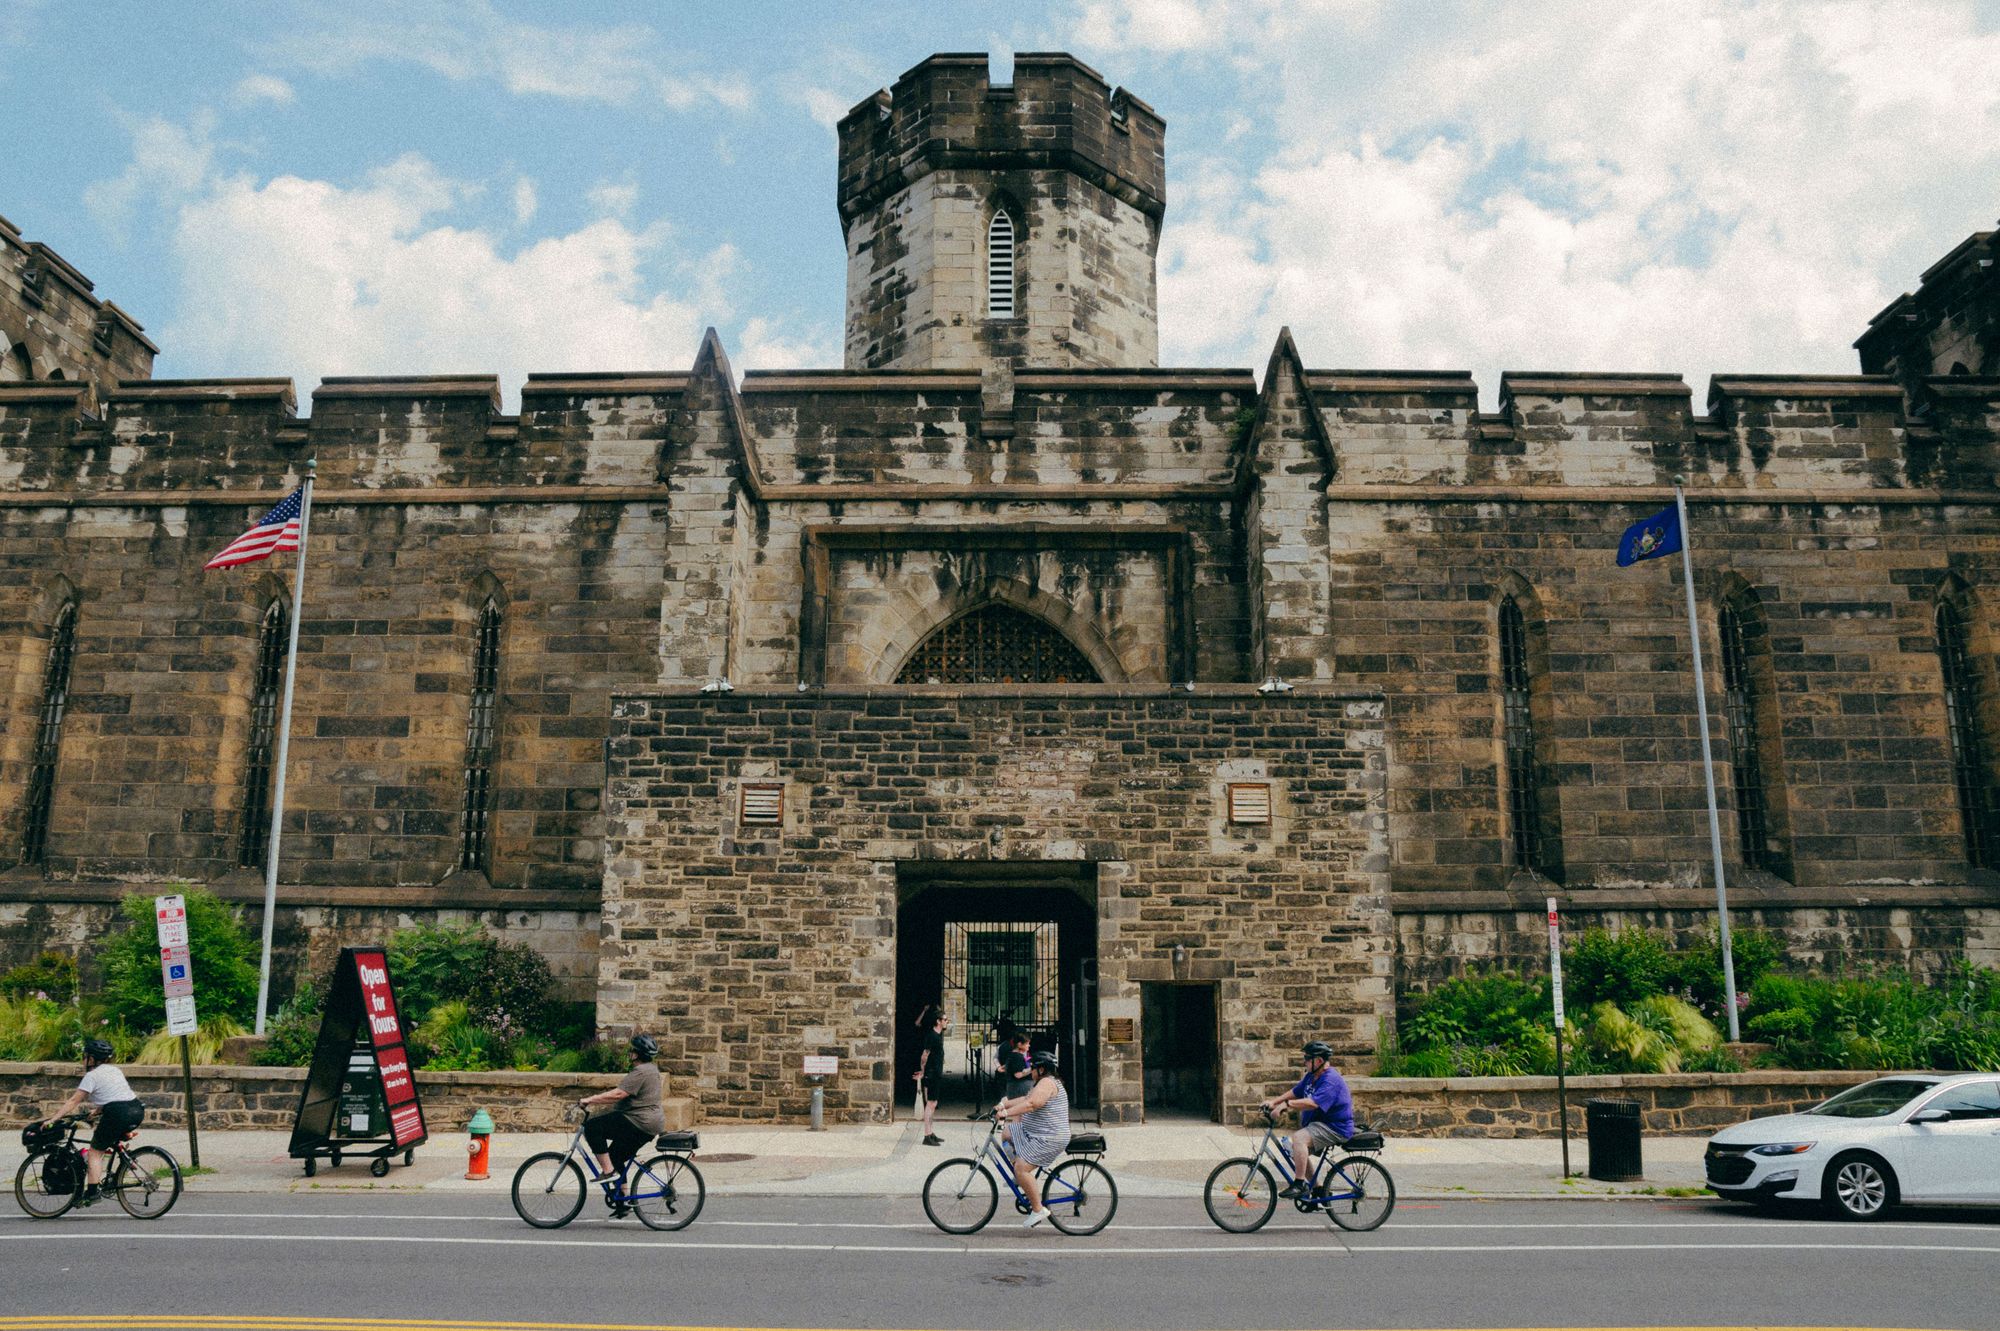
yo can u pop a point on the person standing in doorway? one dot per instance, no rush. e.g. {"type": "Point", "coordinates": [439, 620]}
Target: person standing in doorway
{"type": "Point", "coordinates": [930, 1072]}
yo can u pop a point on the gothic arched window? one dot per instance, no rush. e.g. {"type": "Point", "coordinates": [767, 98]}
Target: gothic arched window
{"type": "Point", "coordinates": [479, 739]}
{"type": "Point", "coordinates": [997, 644]}
{"type": "Point", "coordinates": [1746, 767]}
{"type": "Point", "coordinates": [1524, 803]}
{"type": "Point", "coordinates": [1968, 751]}
{"type": "Point", "coordinates": [48, 735]}
{"type": "Point", "coordinates": [1000, 266]}
{"type": "Point", "coordinates": [273, 636]}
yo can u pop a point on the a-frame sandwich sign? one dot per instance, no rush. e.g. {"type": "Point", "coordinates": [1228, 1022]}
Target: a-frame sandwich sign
{"type": "Point", "coordinates": [360, 1016]}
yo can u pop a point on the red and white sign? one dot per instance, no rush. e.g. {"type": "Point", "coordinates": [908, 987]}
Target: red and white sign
{"type": "Point", "coordinates": [1555, 963]}
{"type": "Point", "coordinates": [822, 1065]}
{"type": "Point", "coordinates": [397, 1086]}
{"type": "Point", "coordinates": [176, 966]}
{"type": "Point", "coordinates": [378, 1001]}
{"type": "Point", "coordinates": [385, 1032]}
{"type": "Point", "coordinates": [406, 1124]}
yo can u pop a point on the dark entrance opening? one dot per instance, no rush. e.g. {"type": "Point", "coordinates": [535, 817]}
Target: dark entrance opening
{"type": "Point", "coordinates": [1000, 945]}
{"type": "Point", "coordinates": [1177, 1022]}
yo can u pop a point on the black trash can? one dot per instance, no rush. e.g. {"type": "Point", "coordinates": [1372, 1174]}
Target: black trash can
{"type": "Point", "coordinates": [1612, 1127]}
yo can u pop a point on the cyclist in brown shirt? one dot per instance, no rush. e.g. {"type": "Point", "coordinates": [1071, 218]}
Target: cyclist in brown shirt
{"type": "Point", "coordinates": [615, 1137]}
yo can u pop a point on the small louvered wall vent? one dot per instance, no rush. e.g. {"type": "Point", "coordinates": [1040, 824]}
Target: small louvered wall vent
{"type": "Point", "coordinates": [1249, 802]}
{"type": "Point", "coordinates": [763, 802]}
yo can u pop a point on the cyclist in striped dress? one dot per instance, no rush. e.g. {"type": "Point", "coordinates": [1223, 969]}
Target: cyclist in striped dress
{"type": "Point", "coordinates": [1039, 1131]}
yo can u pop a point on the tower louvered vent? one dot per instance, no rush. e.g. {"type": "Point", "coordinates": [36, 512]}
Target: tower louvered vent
{"type": "Point", "coordinates": [1000, 267]}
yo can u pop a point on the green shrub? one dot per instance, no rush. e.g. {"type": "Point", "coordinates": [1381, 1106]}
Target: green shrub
{"type": "Point", "coordinates": [612, 1056]}
{"type": "Point", "coordinates": [505, 986]}
{"type": "Point", "coordinates": [223, 952]}
{"type": "Point", "coordinates": [1620, 968]}
{"type": "Point", "coordinates": [39, 1030]}
{"type": "Point", "coordinates": [51, 975]}
{"type": "Point", "coordinates": [449, 1040]}
{"type": "Point", "coordinates": [1698, 970]}
{"type": "Point", "coordinates": [294, 1028]}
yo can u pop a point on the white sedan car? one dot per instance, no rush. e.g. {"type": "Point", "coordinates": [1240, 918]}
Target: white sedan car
{"type": "Point", "coordinates": [1916, 1137]}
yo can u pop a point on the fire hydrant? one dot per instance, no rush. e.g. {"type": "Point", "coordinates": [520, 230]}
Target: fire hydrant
{"type": "Point", "coordinates": [481, 1129]}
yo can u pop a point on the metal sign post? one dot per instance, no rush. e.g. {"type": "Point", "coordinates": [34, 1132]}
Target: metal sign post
{"type": "Point", "coordinates": [819, 1067]}
{"type": "Point", "coordinates": [1556, 989]}
{"type": "Point", "coordinates": [177, 980]}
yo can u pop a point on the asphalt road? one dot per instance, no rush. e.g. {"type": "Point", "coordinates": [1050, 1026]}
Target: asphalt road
{"type": "Point", "coordinates": [385, 1260]}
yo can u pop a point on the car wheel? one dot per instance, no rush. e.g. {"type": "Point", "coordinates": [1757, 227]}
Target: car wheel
{"type": "Point", "coordinates": [1859, 1187]}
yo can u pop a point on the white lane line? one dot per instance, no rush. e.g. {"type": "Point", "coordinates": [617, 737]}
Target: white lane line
{"type": "Point", "coordinates": [967, 1249]}
{"type": "Point", "coordinates": [1742, 1224]}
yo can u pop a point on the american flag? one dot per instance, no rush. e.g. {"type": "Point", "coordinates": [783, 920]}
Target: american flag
{"type": "Point", "coordinates": [275, 531]}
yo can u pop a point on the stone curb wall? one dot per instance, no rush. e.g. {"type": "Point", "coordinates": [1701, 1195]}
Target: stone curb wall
{"type": "Point", "coordinates": [1670, 1105]}
{"type": "Point", "coordinates": [260, 1097]}
{"type": "Point", "coordinates": [1675, 1104]}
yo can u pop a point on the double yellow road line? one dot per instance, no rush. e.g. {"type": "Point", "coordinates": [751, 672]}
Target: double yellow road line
{"type": "Point", "coordinates": [264, 1322]}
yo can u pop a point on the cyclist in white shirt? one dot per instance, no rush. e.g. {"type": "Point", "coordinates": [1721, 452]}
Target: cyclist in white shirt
{"type": "Point", "coordinates": [118, 1111]}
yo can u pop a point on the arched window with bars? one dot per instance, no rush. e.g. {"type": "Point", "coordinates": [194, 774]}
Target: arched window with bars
{"type": "Point", "coordinates": [48, 735]}
{"type": "Point", "coordinates": [1740, 712]}
{"type": "Point", "coordinates": [272, 639]}
{"type": "Point", "coordinates": [997, 644]}
{"type": "Point", "coordinates": [1524, 801]}
{"type": "Point", "coordinates": [1000, 255]}
{"type": "Point", "coordinates": [1970, 769]}
{"type": "Point", "coordinates": [475, 848]}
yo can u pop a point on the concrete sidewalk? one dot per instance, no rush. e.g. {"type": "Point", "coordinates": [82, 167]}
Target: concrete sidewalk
{"type": "Point", "coordinates": [1153, 1160]}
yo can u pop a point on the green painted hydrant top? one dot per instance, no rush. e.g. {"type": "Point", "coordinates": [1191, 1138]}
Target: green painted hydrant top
{"type": "Point", "coordinates": [481, 1125]}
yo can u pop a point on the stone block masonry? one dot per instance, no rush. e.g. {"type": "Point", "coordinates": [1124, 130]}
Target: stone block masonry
{"type": "Point", "coordinates": [745, 947]}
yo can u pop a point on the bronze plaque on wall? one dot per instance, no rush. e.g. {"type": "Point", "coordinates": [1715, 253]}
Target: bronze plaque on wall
{"type": "Point", "coordinates": [1118, 1030]}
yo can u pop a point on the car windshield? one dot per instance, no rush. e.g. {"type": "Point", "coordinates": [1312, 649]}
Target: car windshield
{"type": "Point", "coordinates": [1873, 1099]}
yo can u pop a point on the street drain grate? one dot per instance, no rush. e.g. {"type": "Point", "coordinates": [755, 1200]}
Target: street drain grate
{"type": "Point", "coordinates": [724, 1157]}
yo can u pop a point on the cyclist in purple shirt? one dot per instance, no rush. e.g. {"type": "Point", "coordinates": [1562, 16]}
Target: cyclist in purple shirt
{"type": "Point", "coordinates": [1326, 1111]}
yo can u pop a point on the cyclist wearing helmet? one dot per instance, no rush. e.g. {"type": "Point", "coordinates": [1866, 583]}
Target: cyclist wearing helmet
{"type": "Point", "coordinates": [118, 1111]}
{"type": "Point", "coordinates": [1326, 1111]}
{"type": "Point", "coordinates": [616, 1137]}
{"type": "Point", "coordinates": [1040, 1131]}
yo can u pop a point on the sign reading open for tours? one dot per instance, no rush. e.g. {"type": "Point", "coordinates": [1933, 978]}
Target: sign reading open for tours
{"type": "Point", "coordinates": [360, 1053]}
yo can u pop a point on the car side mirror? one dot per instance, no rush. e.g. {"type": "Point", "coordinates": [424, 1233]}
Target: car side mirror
{"type": "Point", "coordinates": [1931, 1116]}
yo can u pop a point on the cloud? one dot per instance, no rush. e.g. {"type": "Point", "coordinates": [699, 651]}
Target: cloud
{"type": "Point", "coordinates": [767, 346]}
{"type": "Point", "coordinates": [1692, 186]}
{"type": "Point", "coordinates": [311, 278]}
{"type": "Point", "coordinates": [614, 198]}
{"type": "Point", "coordinates": [624, 65]}
{"type": "Point", "coordinates": [256, 88]}
{"type": "Point", "coordinates": [169, 162]}
{"type": "Point", "coordinates": [526, 201]}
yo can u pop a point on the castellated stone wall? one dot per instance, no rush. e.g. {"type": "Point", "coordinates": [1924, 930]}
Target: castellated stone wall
{"type": "Point", "coordinates": [1079, 170]}
{"type": "Point", "coordinates": [746, 947]}
{"type": "Point", "coordinates": [55, 329]}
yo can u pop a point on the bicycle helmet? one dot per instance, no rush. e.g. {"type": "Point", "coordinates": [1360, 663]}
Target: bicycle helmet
{"type": "Point", "coordinates": [1318, 1049]}
{"type": "Point", "coordinates": [1044, 1059]}
{"type": "Point", "coordinates": [100, 1050]}
{"type": "Point", "coordinates": [645, 1047]}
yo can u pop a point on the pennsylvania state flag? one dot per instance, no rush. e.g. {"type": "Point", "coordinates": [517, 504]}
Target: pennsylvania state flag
{"type": "Point", "coordinates": [1651, 537]}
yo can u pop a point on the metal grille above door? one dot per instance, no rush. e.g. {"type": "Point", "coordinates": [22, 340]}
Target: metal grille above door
{"type": "Point", "coordinates": [997, 645]}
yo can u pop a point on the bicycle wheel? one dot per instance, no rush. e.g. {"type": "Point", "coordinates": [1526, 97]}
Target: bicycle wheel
{"type": "Point", "coordinates": [1080, 1196]}
{"type": "Point", "coordinates": [960, 1196]}
{"type": "Point", "coordinates": [1241, 1195]}
{"type": "Point", "coordinates": [548, 1190]}
{"type": "Point", "coordinates": [49, 1183]}
{"type": "Point", "coordinates": [666, 1192]}
{"type": "Point", "coordinates": [1363, 1193]}
{"type": "Point", "coordinates": [148, 1182]}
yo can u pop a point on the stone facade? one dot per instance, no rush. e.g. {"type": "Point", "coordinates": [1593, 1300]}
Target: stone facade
{"type": "Point", "coordinates": [1291, 583]}
{"type": "Point", "coordinates": [750, 946]}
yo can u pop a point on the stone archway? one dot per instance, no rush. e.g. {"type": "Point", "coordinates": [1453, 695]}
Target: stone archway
{"type": "Point", "coordinates": [1004, 603]}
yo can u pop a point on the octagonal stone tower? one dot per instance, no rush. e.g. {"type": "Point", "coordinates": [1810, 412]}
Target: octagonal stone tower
{"type": "Point", "coordinates": [1015, 222]}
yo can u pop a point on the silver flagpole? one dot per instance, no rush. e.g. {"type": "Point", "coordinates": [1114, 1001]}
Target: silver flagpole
{"type": "Point", "coordinates": [284, 743]}
{"type": "Point", "coordinates": [1708, 768]}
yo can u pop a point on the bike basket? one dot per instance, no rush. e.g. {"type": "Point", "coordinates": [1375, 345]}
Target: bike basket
{"type": "Point", "coordinates": [678, 1141]}
{"type": "Point", "coordinates": [61, 1173]}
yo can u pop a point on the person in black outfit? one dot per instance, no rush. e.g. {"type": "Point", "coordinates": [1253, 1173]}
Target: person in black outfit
{"type": "Point", "coordinates": [930, 1072]}
{"type": "Point", "coordinates": [1014, 1067]}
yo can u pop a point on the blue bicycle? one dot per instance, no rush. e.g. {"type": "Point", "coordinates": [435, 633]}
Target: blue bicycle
{"type": "Point", "coordinates": [665, 1192]}
{"type": "Point", "coordinates": [1353, 1191]}
{"type": "Point", "coordinates": [961, 1194]}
